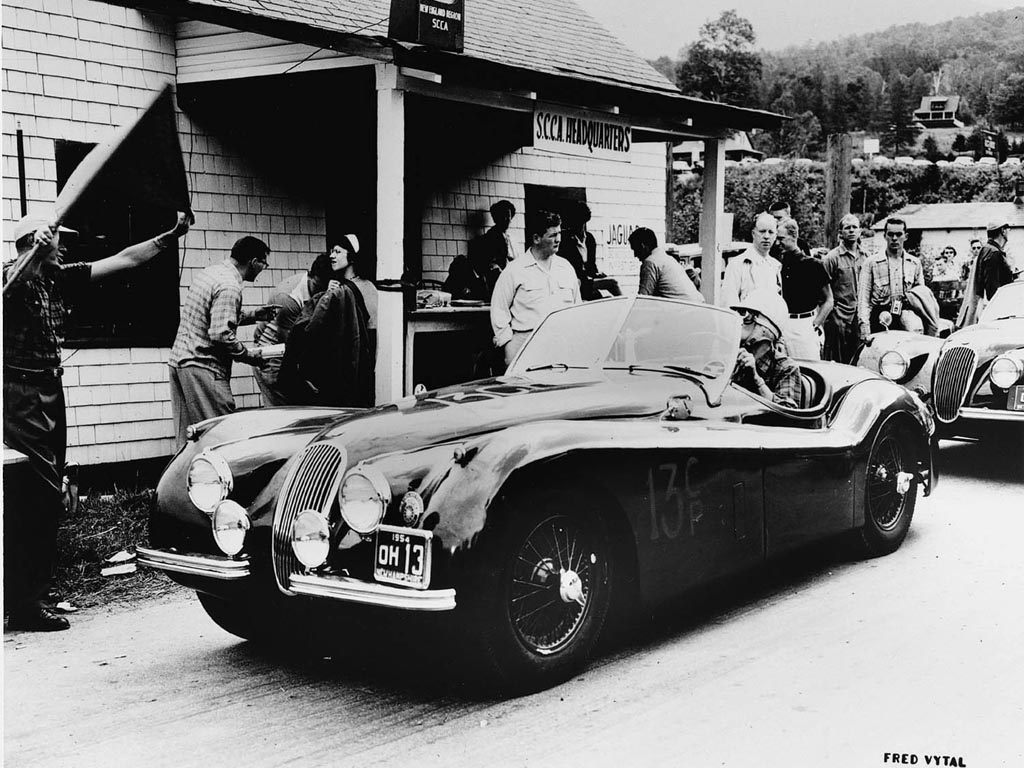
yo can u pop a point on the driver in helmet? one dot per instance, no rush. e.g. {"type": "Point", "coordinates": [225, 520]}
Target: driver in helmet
{"type": "Point", "coordinates": [762, 365]}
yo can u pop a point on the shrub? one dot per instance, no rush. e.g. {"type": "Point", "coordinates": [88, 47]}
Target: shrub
{"type": "Point", "coordinates": [876, 191]}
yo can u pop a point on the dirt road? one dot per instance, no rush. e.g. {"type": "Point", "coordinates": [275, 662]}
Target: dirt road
{"type": "Point", "coordinates": [824, 663]}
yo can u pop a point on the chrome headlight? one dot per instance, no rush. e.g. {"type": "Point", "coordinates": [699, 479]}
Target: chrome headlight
{"type": "Point", "coordinates": [1005, 371]}
{"type": "Point", "coordinates": [209, 481]}
{"type": "Point", "coordinates": [363, 497]}
{"type": "Point", "coordinates": [311, 538]}
{"type": "Point", "coordinates": [893, 365]}
{"type": "Point", "coordinates": [230, 524]}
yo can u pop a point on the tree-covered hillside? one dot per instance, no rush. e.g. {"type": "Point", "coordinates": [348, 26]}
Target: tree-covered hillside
{"type": "Point", "coordinates": [870, 82]}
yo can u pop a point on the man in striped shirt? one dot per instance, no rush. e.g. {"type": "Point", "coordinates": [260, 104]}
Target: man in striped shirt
{"type": "Point", "coordinates": [206, 344]}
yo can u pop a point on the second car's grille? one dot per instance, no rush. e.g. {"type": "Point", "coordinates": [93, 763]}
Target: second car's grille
{"type": "Point", "coordinates": [953, 375]}
{"type": "Point", "coordinates": [312, 484]}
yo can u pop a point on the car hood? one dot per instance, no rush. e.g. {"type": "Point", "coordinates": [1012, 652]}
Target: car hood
{"type": "Point", "coordinates": [991, 338]}
{"type": "Point", "coordinates": [493, 404]}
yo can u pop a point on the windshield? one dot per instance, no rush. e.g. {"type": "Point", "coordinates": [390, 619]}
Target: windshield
{"type": "Point", "coordinates": [638, 333]}
{"type": "Point", "coordinates": [1008, 302]}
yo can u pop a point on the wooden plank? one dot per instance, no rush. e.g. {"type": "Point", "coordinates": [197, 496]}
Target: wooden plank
{"type": "Point", "coordinates": [713, 205]}
{"type": "Point", "coordinates": [837, 185]}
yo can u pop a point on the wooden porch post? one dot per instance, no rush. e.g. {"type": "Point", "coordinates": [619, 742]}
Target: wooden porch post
{"type": "Point", "coordinates": [712, 206]}
{"type": "Point", "coordinates": [390, 229]}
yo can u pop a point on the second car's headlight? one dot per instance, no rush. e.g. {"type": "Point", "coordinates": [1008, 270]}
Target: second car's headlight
{"type": "Point", "coordinates": [1005, 371]}
{"type": "Point", "coordinates": [363, 497]}
{"type": "Point", "coordinates": [893, 365]}
{"type": "Point", "coordinates": [209, 481]}
{"type": "Point", "coordinates": [230, 524]}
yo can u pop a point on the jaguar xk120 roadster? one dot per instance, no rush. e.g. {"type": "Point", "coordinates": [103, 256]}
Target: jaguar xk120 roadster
{"type": "Point", "coordinates": [614, 459]}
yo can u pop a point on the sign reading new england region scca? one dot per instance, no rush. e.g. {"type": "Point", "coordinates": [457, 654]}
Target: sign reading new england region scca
{"type": "Point", "coordinates": [585, 134]}
{"type": "Point", "coordinates": [437, 23]}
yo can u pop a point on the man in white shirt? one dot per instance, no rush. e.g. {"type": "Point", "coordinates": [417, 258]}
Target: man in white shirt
{"type": "Point", "coordinates": [754, 269]}
{"type": "Point", "coordinates": [532, 286]}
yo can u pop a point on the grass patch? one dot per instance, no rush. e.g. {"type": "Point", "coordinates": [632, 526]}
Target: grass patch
{"type": "Point", "coordinates": [107, 521]}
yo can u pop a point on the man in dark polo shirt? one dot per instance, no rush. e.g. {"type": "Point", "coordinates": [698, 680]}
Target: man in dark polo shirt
{"type": "Point", "coordinates": [843, 264]}
{"type": "Point", "coordinates": [806, 289]}
{"type": "Point", "coordinates": [34, 418]}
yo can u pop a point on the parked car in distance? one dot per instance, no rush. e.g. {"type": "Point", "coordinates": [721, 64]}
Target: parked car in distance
{"type": "Point", "coordinates": [972, 379]}
{"type": "Point", "coordinates": [613, 464]}
{"type": "Point", "coordinates": [904, 160]}
{"type": "Point", "coordinates": [942, 163]}
{"type": "Point", "coordinates": [963, 160]}
{"type": "Point", "coordinates": [924, 162]}
{"type": "Point", "coordinates": [1010, 162]}
{"type": "Point", "coordinates": [987, 161]}
{"type": "Point", "coordinates": [772, 161]}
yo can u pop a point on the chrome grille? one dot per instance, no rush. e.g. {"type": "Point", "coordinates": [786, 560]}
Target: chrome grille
{"type": "Point", "coordinates": [953, 374]}
{"type": "Point", "coordinates": [311, 484]}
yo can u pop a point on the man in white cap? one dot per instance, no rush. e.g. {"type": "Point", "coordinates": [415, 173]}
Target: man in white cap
{"type": "Point", "coordinates": [35, 422]}
{"type": "Point", "coordinates": [762, 365]}
{"type": "Point", "coordinates": [993, 270]}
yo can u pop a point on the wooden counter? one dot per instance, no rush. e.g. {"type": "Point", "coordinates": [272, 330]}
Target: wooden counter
{"type": "Point", "coordinates": [474, 321]}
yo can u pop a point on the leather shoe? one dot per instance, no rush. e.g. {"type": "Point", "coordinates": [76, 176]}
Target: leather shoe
{"type": "Point", "coordinates": [37, 619]}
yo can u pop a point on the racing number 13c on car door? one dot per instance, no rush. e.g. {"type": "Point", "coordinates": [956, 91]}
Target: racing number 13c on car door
{"type": "Point", "coordinates": [702, 516]}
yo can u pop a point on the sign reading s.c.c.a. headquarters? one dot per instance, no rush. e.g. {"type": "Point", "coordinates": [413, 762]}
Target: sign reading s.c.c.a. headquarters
{"type": "Point", "coordinates": [585, 134]}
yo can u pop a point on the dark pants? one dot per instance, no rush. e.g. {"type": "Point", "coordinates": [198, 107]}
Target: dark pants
{"type": "Point", "coordinates": [842, 341]}
{"type": "Point", "coordinates": [34, 423]}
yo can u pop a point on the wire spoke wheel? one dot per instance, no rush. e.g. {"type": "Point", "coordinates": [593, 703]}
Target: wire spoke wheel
{"type": "Point", "coordinates": [890, 493]}
{"type": "Point", "coordinates": [885, 502]}
{"type": "Point", "coordinates": [552, 580]}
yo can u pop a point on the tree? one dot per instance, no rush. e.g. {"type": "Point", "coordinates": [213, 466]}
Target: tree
{"type": "Point", "coordinates": [960, 143]}
{"type": "Point", "coordinates": [1007, 101]}
{"type": "Point", "coordinates": [931, 148]}
{"type": "Point", "coordinates": [665, 65]}
{"type": "Point", "coordinates": [801, 136]}
{"type": "Point", "coordinates": [901, 131]}
{"type": "Point", "coordinates": [722, 65]}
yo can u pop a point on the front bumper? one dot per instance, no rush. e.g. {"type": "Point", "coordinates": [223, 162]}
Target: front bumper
{"type": "Point", "coordinates": [332, 587]}
{"type": "Point", "coordinates": [990, 414]}
{"type": "Point", "coordinates": [193, 564]}
{"type": "Point", "coordinates": [370, 593]}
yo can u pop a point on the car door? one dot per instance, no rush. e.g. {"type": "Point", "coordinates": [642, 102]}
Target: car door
{"type": "Point", "coordinates": [808, 489]}
{"type": "Point", "coordinates": [697, 513]}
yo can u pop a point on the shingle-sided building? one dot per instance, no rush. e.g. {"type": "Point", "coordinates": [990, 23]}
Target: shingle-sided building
{"type": "Point", "coordinates": [302, 120]}
{"type": "Point", "coordinates": [956, 224]}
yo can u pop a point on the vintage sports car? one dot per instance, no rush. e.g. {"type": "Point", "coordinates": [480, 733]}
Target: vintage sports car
{"type": "Point", "coordinates": [613, 463]}
{"type": "Point", "coordinates": [974, 379]}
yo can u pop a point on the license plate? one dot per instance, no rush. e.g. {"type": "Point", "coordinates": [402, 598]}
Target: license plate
{"type": "Point", "coordinates": [1015, 398]}
{"type": "Point", "coordinates": [402, 556]}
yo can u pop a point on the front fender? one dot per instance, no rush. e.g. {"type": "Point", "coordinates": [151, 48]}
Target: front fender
{"type": "Point", "coordinates": [920, 351]}
{"type": "Point", "coordinates": [257, 445]}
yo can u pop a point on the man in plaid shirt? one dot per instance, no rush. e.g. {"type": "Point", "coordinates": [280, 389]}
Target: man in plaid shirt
{"type": "Point", "coordinates": [762, 365]}
{"type": "Point", "coordinates": [35, 421]}
{"type": "Point", "coordinates": [206, 344]}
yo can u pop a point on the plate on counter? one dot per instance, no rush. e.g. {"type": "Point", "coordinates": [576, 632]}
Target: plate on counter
{"type": "Point", "coordinates": [468, 303]}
